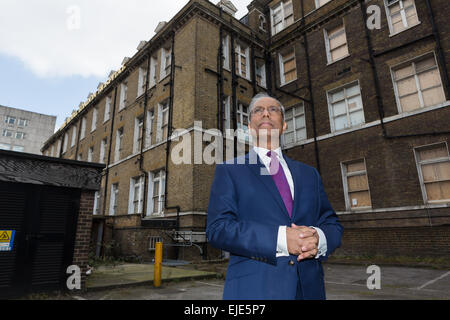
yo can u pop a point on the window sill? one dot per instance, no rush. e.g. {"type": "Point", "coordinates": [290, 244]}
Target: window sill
{"type": "Point", "coordinates": [359, 209]}
{"type": "Point", "coordinates": [242, 77]}
{"type": "Point", "coordinates": [162, 78]}
{"type": "Point", "coordinates": [285, 84]}
{"type": "Point", "coordinates": [154, 216]}
{"type": "Point", "coordinates": [437, 201]}
{"type": "Point", "coordinates": [410, 27]}
{"type": "Point", "coordinates": [342, 58]}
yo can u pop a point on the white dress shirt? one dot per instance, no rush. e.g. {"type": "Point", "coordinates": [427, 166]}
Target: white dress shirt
{"type": "Point", "coordinates": [282, 249]}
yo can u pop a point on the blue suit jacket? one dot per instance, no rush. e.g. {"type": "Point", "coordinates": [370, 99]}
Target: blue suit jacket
{"type": "Point", "coordinates": [244, 214]}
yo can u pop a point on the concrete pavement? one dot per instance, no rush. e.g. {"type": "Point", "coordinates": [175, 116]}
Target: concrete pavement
{"type": "Point", "coordinates": [343, 282]}
{"type": "Point", "coordinates": [107, 277]}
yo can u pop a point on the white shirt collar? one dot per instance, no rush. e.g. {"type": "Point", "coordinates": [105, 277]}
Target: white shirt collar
{"type": "Point", "coordinates": [262, 152]}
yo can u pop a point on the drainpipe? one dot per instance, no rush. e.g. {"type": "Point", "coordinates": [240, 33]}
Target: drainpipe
{"type": "Point", "coordinates": [374, 69]}
{"type": "Point", "coordinates": [234, 84]}
{"type": "Point", "coordinates": [105, 192]}
{"type": "Point", "coordinates": [439, 50]}
{"type": "Point", "coordinates": [253, 69]}
{"type": "Point", "coordinates": [169, 132]}
{"type": "Point", "coordinates": [220, 57]}
{"type": "Point", "coordinates": [141, 156]}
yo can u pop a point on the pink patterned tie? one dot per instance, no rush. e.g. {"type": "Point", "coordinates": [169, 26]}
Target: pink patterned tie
{"type": "Point", "coordinates": [277, 173]}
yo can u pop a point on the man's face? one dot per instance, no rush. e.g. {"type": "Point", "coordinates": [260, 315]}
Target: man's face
{"type": "Point", "coordinates": [268, 122]}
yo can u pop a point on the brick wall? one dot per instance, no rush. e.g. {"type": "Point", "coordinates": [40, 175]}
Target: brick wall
{"type": "Point", "coordinates": [83, 233]}
{"type": "Point", "coordinates": [409, 241]}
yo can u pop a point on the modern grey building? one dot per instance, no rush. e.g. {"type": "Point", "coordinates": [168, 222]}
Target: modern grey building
{"type": "Point", "coordinates": [24, 131]}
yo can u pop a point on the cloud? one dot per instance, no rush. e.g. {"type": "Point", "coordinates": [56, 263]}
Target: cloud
{"type": "Point", "coordinates": [61, 38]}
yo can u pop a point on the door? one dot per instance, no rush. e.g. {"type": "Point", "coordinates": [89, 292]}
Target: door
{"type": "Point", "coordinates": [45, 220]}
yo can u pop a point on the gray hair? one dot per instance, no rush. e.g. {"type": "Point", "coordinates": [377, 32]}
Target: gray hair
{"type": "Point", "coordinates": [260, 96]}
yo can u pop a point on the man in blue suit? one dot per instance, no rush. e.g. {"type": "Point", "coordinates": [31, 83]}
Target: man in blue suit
{"type": "Point", "coordinates": [273, 216]}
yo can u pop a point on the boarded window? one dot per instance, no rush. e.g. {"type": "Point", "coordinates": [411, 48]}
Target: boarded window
{"type": "Point", "coordinates": [288, 67]}
{"type": "Point", "coordinates": [402, 14]}
{"type": "Point", "coordinates": [336, 43]}
{"type": "Point", "coordinates": [356, 185]}
{"type": "Point", "coordinates": [346, 107]}
{"type": "Point", "coordinates": [418, 84]}
{"type": "Point", "coordinates": [296, 125]}
{"type": "Point", "coordinates": [282, 16]}
{"type": "Point", "coordinates": [433, 163]}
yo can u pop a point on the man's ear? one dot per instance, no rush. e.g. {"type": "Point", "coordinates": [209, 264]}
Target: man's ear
{"type": "Point", "coordinates": [284, 127]}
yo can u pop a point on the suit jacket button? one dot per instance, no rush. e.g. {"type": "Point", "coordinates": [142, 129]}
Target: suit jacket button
{"type": "Point", "coordinates": [291, 263]}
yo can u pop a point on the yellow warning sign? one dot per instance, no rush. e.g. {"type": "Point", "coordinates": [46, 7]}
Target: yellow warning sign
{"type": "Point", "coordinates": [5, 236]}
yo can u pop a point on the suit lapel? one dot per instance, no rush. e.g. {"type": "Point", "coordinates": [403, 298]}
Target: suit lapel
{"type": "Point", "coordinates": [267, 180]}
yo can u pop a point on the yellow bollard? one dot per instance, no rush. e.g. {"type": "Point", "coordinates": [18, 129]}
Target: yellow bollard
{"type": "Point", "coordinates": [158, 264]}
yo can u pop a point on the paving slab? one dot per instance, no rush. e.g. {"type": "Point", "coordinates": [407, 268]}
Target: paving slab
{"type": "Point", "coordinates": [105, 277]}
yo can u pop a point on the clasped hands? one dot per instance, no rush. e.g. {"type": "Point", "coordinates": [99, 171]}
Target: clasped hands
{"type": "Point", "coordinates": [302, 241]}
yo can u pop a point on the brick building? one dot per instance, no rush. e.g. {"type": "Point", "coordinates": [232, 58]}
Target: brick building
{"type": "Point", "coordinates": [367, 106]}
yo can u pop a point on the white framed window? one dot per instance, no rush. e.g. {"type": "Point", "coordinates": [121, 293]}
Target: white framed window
{"type": "Point", "coordinates": [401, 15]}
{"type": "Point", "coordinates": [417, 84]}
{"type": "Point", "coordinates": [261, 74]}
{"type": "Point", "coordinates": [107, 108]}
{"type": "Point", "coordinates": [113, 205]}
{"type": "Point", "coordinates": [10, 120]}
{"type": "Point", "coordinates": [119, 142]}
{"type": "Point", "coordinates": [262, 23]}
{"type": "Point", "coordinates": [123, 95]}
{"type": "Point", "coordinates": [433, 166]}
{"type": "Point", "coordinates": [242, 55]}
{"type": "Point", "coordinates": [103, 150]}
{"type": "Point", "coordinates": [20, 135]}
{"type": "Point", "coordinates": [336, 44]}
{"type": "Point", "coordinates": [5, 146]}
{"type": "Point", "coordinates": [96, 209]}
{"type": "Point", "coordinates": [90, 154]}
{"type": "Point", "coordinates": [281, 16]}
{"type": "Point", "coordinates": [226, 52]}
{"type": "Point", "coordinates": [142, 81]}
{"type": "Point", "coordinates": [162, 121]}
{"type": "Point", "coordinates": [83, 128]}
{"type": "Point", "coordinates": [136, 198]}
{"type": "Point", "coordinates": [296, 124]}
{"type": "Point", "coordinates": [320, 3]}
{"type": "Point", "coordinates": [156, 189]}
{"type": "Point", "coordinates": [138, 133]}
{"type": "Point", "coordinates": [149, 128]}
{"type": "Point", "coordinates": [18, 148]}
{"type": "Point", "coordinates": [74, 136]}
{"type": "Point", "coordinates": [153, 68]}
{"type": "Point", "coordinates": [356, 185]}
{"type": "Point", "coordinates": [345, 107]}
{"type": "Point", "coordinates": [22, 122]}
{"type": "Point", "coordinates": [227, 112]}
{"type": "Point", "coordinates": [7, 133]}
{"type": "Point", "coordinates": [66, 141]}
{"type": "Point", "coordinates": [288, 67]}
{"type": "Point", "coordinates": [166, 61]}
{"type": "Point", "coordinates": [242, 122]}
{"type": "Point", "coordinates": [52, 151]}
{"type": "Point", "coordinates": [94, 119]}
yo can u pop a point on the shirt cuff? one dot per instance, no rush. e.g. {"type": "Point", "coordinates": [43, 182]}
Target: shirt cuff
{"type": "Point", "coordinates": [282, 250]}
{"type": "Point", "coordinates": [322, 246]}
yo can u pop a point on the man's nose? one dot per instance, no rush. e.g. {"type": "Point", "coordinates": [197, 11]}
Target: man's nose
{"type": "Point", "coordinates": [266, 112]}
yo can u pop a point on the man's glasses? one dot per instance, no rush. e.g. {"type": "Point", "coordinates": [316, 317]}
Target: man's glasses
{"type": "Point", "coordinates": [259, 111]}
